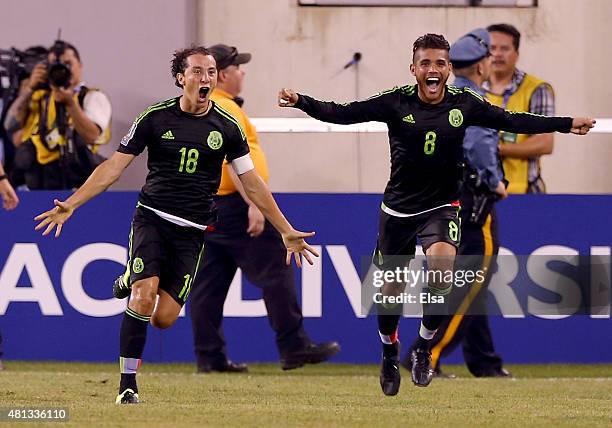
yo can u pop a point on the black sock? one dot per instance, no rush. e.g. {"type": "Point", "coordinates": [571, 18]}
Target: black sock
{"type": "Point", "coordinates": [128, 380]}
{"type": "Point", "coordinates": [387, 324]}
{"type": "Point", "coordinates": [432, 322]}
{"type": "Point", "coordinates": [435, 313]}
{"type": "Point", "coordinates": [388, 331]}
{"type": "Point", "coordinates": [131, 345]}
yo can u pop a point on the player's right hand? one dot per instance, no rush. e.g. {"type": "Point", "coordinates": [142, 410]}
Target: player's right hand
{"type": "Point", "coordinates": [287, 97]}
{"type": "Point", "coordinates": [54, 217]}
{"type": "Point", "coordinates": [38, 76]}
{"type": "Point", "coordinates": [8, 195]}
{"type": "Point", "coordinates": [295, 244]}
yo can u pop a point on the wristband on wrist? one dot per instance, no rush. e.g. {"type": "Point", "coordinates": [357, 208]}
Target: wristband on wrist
{"type": "Point", "coordinates": [3, 177]}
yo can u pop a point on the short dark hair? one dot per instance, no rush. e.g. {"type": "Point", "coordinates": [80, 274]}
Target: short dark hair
{"type": "Point", "coordinates": [76, 52]}
{"type": "Point", "coordinates": [509, 30]}
{"type": "Point", "coordinates": [430, 41]}
{"type": "Point", "coordinates": [179, 60]}
{"type": "Point", "coordinates": [66, 46]}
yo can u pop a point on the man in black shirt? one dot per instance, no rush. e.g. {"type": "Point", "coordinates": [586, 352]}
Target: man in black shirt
{"type": "Point", "coordinates": [188, 138]}
{"type": "Point", "coordinates": [427, 123]}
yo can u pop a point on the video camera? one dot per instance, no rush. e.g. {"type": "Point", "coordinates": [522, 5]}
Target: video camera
{"type": "Point", "coordinates": [16, 65]}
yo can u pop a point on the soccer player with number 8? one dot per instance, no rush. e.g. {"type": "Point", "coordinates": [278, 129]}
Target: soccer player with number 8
{"type": "Point", "coordinates": [427, 123]}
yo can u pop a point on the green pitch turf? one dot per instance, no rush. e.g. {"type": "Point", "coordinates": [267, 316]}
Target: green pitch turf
{"type": "Point", "coordinates": [316, 396]}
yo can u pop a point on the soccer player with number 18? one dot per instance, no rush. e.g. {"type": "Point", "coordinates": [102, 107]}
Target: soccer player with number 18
{"type": "Point", "coordinates": [188, 138]}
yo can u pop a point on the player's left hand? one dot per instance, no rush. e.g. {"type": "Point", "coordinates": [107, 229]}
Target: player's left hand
{"type": "Point", "coordinates": [257, 222]}
{"type": "Point", "coordinates": [582, 125]}
{"type": "Point", "coordinates": [294, 241]}
{"type": "Point", "coordinates": [54, 217]}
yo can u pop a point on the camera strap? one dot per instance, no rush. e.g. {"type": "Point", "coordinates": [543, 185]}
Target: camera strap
{"type": "Point", "coordinates": [59, 119]}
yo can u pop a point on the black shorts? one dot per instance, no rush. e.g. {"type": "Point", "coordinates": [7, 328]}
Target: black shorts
{"type": "Point", "coordinates": [397, 236]}
{"type": "Point", "coordinates": [166, 250]}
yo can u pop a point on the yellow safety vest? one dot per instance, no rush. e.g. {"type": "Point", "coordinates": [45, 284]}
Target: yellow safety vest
{"type": "Point", "coordinates": [42, 104]}
{"type": "Point", "coordinates": [516, 170]}
{"type": "Point", "coordinates": [227, 103]}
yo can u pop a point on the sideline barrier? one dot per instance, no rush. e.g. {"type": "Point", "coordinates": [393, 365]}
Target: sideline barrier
{"type": "Point", "coordinates": [55, 294]}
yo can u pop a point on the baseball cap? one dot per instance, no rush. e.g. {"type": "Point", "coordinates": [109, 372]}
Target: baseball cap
{"type": "Point", "coordinates": [228, 55]}
{"type": "Point", "coordinates": [470, 48]}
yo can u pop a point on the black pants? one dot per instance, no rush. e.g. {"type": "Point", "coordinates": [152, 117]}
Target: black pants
{"type": "Point", "coordinates": [262, 260]}
{"type": "Point", "coordinates": [472, 331]}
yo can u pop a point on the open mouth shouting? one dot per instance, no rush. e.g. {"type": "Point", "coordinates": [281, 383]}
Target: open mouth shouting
{"type": "Point", "coordinates": [203, 93]}
{"type": "Point", "coordinates": [433, 84]}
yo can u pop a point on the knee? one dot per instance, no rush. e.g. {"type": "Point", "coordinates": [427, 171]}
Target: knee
{"type": "Point", "coordinates": [143, 297]}
{"type": "Point", "coordinates": [441, 250]}
{"type": "Point", "coordinates": [162, 322]}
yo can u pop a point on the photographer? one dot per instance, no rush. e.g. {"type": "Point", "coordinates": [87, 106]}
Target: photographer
{"type": "Point", "coordinates": [62, 123]}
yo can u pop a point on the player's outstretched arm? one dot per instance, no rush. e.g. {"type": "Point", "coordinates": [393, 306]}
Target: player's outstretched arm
{"type": "Point", "coordinates": [258, 192]}
{"type": "Point", "coordinates": [526, 123]}
{"type": "Point", "coordinates": [103, 176]}
{"type": "Point", "coordinates": [375, 108]}
{"type": "Point", "coordinates": [482, 113]}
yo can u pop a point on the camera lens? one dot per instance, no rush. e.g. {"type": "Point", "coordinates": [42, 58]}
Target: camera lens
{"type": "Point", "coordinates": [59, 75]}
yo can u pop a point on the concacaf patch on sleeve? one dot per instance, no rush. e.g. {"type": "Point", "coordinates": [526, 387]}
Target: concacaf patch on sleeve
{"type": "Point", "coordinates": [126, 139]}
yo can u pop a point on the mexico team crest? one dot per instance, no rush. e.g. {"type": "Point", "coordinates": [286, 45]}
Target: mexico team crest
{"type": "Point", "coordinates": [455, 117]}
{"type": "Point", "coordinates": [215, 140]}
{"type": "Point", "coordinates": [138, 265]}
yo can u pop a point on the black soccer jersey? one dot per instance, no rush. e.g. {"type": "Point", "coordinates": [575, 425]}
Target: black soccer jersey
{"type": "Point", "coordinates": [427, 139]}
{"type": "Point", "coordinates": [186, 154]}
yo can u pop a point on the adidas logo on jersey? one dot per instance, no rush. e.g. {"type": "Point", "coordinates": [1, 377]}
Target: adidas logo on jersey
{"type": "Point", "coordinates": [168, 136]}
{"type": "Point", "coordinates": [408, 119]}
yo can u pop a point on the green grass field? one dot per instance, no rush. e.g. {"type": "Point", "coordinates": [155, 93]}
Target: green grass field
{"type": "Point", "coordinates": [315, 396]}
